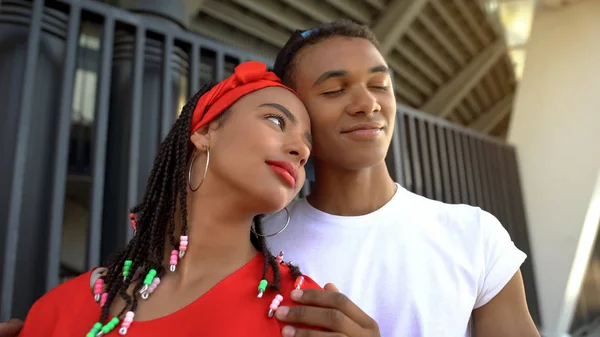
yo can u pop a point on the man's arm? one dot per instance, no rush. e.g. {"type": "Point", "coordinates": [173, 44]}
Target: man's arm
{"type": "Point", "coordinates": [506, 315]}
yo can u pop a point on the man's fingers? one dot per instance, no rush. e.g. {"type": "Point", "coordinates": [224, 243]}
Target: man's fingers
{"type": "Point", "coordinates": [11, 328]}
{"type": "Point", "coordinates": [290, 331]}
{"type": "Point", "coordinates": [331, 287]}
{"type": "Point", "coordinates": [334, 300]}
{"type": "Point", "coordinates": [326, 318]}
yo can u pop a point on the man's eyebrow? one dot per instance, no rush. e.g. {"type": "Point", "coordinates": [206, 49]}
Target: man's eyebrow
{"type": "Point", "coordinates": [281, 108]}
{"type": "Point", "coordinates": [340, 73]}
{"type": "Point", "coordinates": [329, 74]}
{"type": "Point", "coordinates": [380, 69]}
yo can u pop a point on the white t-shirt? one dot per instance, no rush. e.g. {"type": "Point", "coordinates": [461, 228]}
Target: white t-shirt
{"type": "Point", "coordinates": [417, 266]}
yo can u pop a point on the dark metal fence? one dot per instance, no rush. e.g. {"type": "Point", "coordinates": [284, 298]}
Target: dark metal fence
{"type": "Point", "coordinates": [87, 92]}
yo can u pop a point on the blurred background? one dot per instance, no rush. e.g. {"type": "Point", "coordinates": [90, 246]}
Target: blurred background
{"type": "Point", "coordinates": [498, 107]}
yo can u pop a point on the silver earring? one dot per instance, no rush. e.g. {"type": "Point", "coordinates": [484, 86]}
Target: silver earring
{"type": "Point", "coordinates": [192, 166]}
{"type": "Point", "coordinates": [287, 222]}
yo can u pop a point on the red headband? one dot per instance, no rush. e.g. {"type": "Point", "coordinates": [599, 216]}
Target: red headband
{"type": "Point", "coordinates": [247, 77]}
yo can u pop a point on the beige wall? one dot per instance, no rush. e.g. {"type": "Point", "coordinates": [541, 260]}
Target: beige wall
{"type": "Point", "coordinates": [556, 128]}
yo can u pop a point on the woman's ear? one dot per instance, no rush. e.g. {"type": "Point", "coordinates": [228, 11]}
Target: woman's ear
{"type": "Point", "coordinates": [205, 136]}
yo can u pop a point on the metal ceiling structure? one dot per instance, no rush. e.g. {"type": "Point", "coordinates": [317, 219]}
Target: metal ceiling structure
{"type": "Point", "coordinates": [449, 57]}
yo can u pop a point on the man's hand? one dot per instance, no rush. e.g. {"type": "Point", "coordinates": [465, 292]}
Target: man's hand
{"type": "Point", "coordinates": [328, 309]}
{"type": "Point", "coordinates": [11, 328]}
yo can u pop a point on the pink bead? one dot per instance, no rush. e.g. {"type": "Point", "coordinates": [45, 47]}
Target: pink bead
{"type": "Point", "coordinates": [156, 281]}
{"type": "Point", "coordinates": [279, 298]}
{"type": "Point", "coordinates": [276, 302]}
{"type": "Point", "coordinates": [184, 248]}
{"type": "Point", "coordinates": [173, 261]}
{"type": "Point", "coordinates": [129, 315]}
{"type": "Point", "coordinates": [103, 299]}
{"type": "Point", "coordinates": [183, 238]}
{"type": "Point", "coordinates": [273, 306]}
{"type": "Point", "coordinates": [174, 253]}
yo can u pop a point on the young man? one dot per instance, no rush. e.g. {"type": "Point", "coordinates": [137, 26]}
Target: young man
{"type": "Point", "coordinates": [407, 265]}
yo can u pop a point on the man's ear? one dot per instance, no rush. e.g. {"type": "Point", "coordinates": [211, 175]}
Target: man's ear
{"type": "Point", "coordinates": [205, 136]}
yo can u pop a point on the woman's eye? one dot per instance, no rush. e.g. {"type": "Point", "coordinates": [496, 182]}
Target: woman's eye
{"type": "Point", "coordinates": [277, 120]}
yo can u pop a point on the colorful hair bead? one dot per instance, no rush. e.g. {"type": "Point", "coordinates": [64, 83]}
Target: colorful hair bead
{"type": "Point", "coordinates": [95, 330]}
{"type": "Point", "coordinates": [275, 304]}
{"type": "Point", "coordinates": [126, 323]}
{"type": "Point", "coordinates": [126, 268]}
{"type": "Point", "coordinates": [279, 258]}
{"type": "Point", "coordinates": [173, 261]}
{"type": "Point", "coordinates": [133, 221]}
{"type": "Point", "coordinates": [147, 282]}
{"type": "Point", "coordinates": [152, 287]}
{"type": "Point", "coordinates": [108, 327]}
{"type": "Point", "coordinates": [103, 299]}
{"type": "Point", "coordinates": [98, 287]}
{"type": "Point", "coordinates": [299, 282]}
{"type": "Point", "coordinates": [262, 287]}
{"type": "Point", "coordinates": [183, 243]}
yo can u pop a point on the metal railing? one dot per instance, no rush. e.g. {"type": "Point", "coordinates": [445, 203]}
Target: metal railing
{"type": "Point", "coordinates": [89, 90]}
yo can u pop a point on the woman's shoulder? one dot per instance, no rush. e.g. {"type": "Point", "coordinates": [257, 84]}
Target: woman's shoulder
{"type": "Point", "coordinates": [76, 286]}
{"type": "Point", "coordinates": [288, 282]}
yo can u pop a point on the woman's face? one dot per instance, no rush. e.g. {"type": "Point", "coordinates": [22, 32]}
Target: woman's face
{"type": "Point", "coordinates": [258, 150]}
{"type": "Point", "coordinates": [346, 86]}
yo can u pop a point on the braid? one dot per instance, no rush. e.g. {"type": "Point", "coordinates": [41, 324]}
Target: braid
{"type": "Point", "coordinates": [155, 219]}
{"type": "Point", "coordinates": [286, 60]}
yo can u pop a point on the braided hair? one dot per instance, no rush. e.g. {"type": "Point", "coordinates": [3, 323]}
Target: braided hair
{"type": "Point", "coordinates": [154, 218]}
{"type": "Point", "coordinates": [285, 63]}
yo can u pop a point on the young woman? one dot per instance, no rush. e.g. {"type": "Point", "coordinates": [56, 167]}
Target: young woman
{"type": "Point", "coordinates": [198, 264]}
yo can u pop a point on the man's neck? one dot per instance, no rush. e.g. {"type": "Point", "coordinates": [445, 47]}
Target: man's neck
{"type": "Point", "coordinates": [351, 193]}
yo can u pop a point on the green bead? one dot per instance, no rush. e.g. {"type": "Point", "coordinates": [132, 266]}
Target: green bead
{"type": "Point", "coordinates": [152, 272]}
{"type": "Point", "coordinates": [128, 263]}
{"type": "Point", "coordinates": [97, 326]}
{"type": "Point", "coordinates": [106, 329]}
{"type": "Point", "coordinates": [262, 285]}
{"type": "Point", "coordinates": [114, 321]}
{"type": "Point", "coordinates": [90, 334]}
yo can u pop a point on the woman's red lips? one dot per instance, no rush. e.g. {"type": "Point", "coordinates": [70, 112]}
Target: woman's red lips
{"type": "Point", "coordinates": [285, 170]}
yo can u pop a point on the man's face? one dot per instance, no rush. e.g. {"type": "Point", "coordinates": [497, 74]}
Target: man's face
{"type": "Point", "coordinates": [347, 89]}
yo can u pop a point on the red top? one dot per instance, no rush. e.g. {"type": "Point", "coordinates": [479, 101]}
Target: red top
{"type": "Point", "coordinates": [230, 308]}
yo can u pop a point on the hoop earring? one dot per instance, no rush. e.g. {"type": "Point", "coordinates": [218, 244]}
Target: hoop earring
{"type": "Point", "coordinates": [192, 166]}
{"type": "Point", "coordinates": [278, 232]}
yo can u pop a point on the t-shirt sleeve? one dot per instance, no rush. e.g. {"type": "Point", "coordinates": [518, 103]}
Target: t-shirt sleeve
{"type": "Point", "coordinates": [501, 258]}
{"type": "Point", "coordinates": [40, 318]}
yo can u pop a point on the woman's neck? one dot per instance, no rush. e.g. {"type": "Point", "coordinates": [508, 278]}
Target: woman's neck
{"type": "Point", "coordinates": [218, 239]}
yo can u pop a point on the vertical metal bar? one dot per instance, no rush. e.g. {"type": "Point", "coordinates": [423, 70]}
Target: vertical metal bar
{"type": "Point", "coordinates": [454, 182]}
{"type": "Point", "coordinates": [427, 180]}
{"type": "Point", "coordinates": [99, 144]}
{"type": "Point", "coordinates": [16, 193]}
{"type": "Point", "coordinates": [194, 79]}
{"type": "Point", "coordinates": [501, 170]}
{"type": "Point", "coordinates": [394, 156]}
{"type": "Point", "coordinates": [61, 156]}
{"type": "Point", "coordinates": [482, 174]}
{"type": "Point", "coordinates": [405, 144]}
{"type": "Point", "coordinates": [168, 115]}
{"type": "Point", "coordinates": [444, 163]}
{"type": "Point", "coordinates": [415, 160]}
{"type": "Point", "coordinates": [435, 163]}
{"type": "Point", "coordinates": [491, 175]}
{"type": "Point", "coordinates": [475, 161]}
{"type": "Point", "coordinates": [220, 65]}
{"type": "Point", "coordinates": [460, 164]}
{"type": "Point", "coordinates": [136, 120]}
{"type": "Point", "coordinates": [468, 164]}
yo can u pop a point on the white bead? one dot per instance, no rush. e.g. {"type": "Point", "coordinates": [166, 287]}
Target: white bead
{"type": "Point", "coordinates": [181, 253]}
{"type": "Point", "coordinates": [123, 331]}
